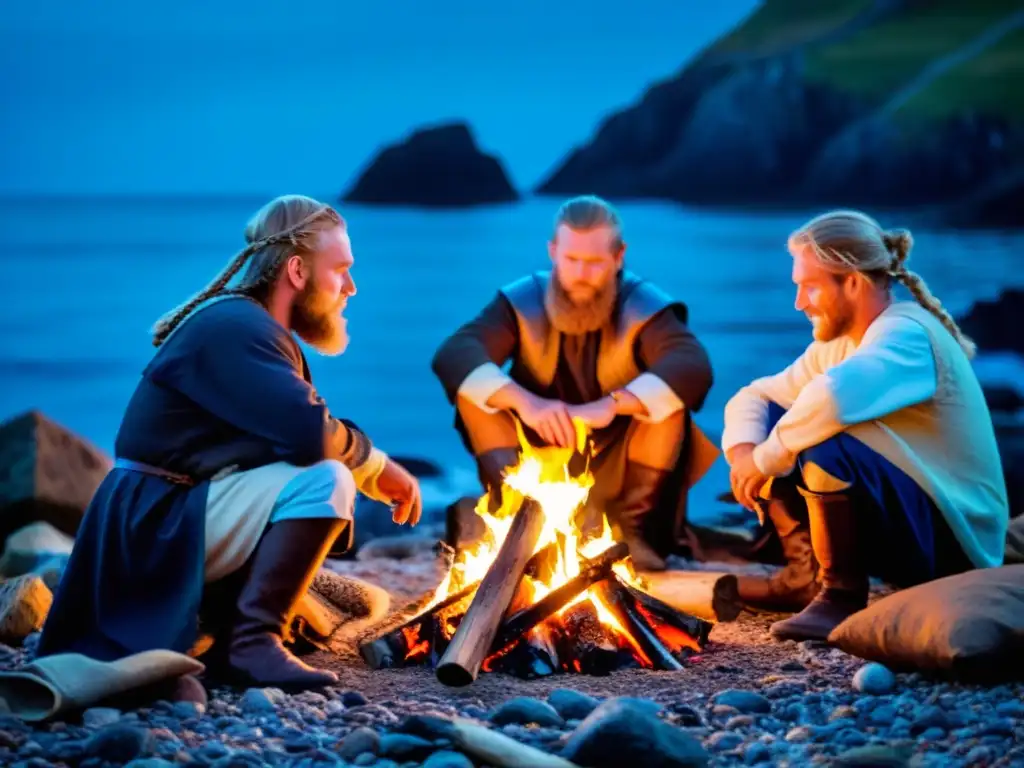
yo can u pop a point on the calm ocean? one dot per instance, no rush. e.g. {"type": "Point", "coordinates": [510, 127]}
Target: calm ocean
{"type": "Point", "coordinates": [85, 279]}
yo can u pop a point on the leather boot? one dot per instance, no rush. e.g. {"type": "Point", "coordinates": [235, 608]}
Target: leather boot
{"type": "Point", "coordinates": [281, 570]}
{"type": "Point", "coordinates": [492, 466]}
{"type": "Point", "coordinates": [793, 586]}
{"type": "Point", "coordinates": [640, 497]}
{"type": "Point", "coordinates": [844, 580]}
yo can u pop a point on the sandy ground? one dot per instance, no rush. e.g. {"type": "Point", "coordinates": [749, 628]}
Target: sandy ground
{"type": "Point", "coordinates": [738, 654]}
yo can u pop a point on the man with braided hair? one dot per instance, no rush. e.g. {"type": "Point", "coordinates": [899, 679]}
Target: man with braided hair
{"type": "Point", "coordinates": [874, 453]}
{"type": "Point", "coordinates": [230, 464]}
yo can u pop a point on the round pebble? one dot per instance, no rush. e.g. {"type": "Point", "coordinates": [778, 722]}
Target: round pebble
{"type": "Point", "coordinates": [874, 679]}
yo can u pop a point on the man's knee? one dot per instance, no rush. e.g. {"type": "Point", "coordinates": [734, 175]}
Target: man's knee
{"type": "Point", "coordinates": [326, 485]}
{"type": "Point", "coordinates": [657, 444]}
{"type": "Point", "coordinates": [825, 467]}
{"type": "Point", "coordinates": [486, 431]}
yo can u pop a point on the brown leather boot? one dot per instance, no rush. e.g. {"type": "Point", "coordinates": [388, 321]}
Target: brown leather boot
{"type": "Point", "coordinates": [492, 466]}
{"type": "Point", "coordinates": [640, 496]}
{"type": "Point", "coordinates": [282, 568]}
{"type": "Point", "coordinates": [844, 589]}
{"type": "Point", "coordinates": [792, 587]}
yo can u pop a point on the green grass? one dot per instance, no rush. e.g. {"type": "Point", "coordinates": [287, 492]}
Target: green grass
{"type": "Point", "coordinates": [779, 25]}
{"type": "Point", "coordinates": [880, 59]}
{"type": "Point", "coordinates": [990, 84]}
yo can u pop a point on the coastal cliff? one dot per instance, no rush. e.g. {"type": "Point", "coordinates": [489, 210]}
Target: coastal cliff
{"type": "Point", "coordinates": [897, 103]}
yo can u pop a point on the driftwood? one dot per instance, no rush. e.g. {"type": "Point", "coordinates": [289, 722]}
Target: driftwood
{"type": "Point", "coordinates": [461, 661]}
{"type": "Point", "coordinates": [591, 572]}
{"type": "Point", "coordinates": [707, 595]}
{"type": "Point", "coordinates": [495, 748]}
{"type": "Point", "coordinates": [622, 605]}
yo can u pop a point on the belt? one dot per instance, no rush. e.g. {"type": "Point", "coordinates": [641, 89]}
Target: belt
{"type": "Point", "coordinates": [147, 469]}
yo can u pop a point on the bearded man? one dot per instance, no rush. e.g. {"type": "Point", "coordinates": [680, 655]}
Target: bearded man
{"type": "Point", "coordinates": [877, 441]}
{"type": "Point", "coordinates": [592, 341]}
{"type": "Point", "coordinates": [228, 462]}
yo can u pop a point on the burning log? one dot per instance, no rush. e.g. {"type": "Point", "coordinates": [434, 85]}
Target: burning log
{"type": "Point", "coordinates": [661, 614]}
{"type": "Point", "coordinates": [461, 661]}
{"type": "Point", "coordinates": [592, 571]}
{"type": "Point", "coordinates": [704, 594]}
{"type": "Point", "coordinates": [620, 602]}
{"type": "Point", "coordinates": [395, 646]}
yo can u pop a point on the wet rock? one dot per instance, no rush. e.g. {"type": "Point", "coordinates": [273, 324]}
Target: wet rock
{"type": "Point", "coordinates": [874, 756]}
{"type": "Point", "coordinates": [724, 741]}
{"type": "Point", "coordinates": [353, 699]}
{"type": "Point", "coordinates": [524, 711]}
{"type": "Point", "coordinates": [358, 742]}
{"type": "Point", "coordinates": [402, 747]}
{"type": "Point", "coordinates": [119, 743]}
{"type": "Point", "coordinates": [446, 759]}
{"type": "Point", "coordinates": [572, 704]}
{"type": "Point", "coordinates": [98, 717]}
{"type": "Point", "coordinates": [256, 700]}
{"type": "Point", "coordinates": [746, 702]}
{"type": "Point", "coordinates": [616, 733]}
{"type": "Point", "coordinates": [439, 166]}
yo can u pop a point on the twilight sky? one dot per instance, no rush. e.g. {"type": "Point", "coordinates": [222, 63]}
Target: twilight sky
{"type": "Point", "coordinates": [254, 97]}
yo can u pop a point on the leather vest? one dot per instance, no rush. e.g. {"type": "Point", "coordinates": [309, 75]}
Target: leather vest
{"type": "Point", "coordinates": [540, 343]}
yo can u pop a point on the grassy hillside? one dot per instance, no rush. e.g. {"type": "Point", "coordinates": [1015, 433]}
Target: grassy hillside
{"type": "Point", "coordinates": [780, 25]}
{"type": "Point", "coordinates": [877, 61]}
{"type": "Point", "coordinates": [990, 84]}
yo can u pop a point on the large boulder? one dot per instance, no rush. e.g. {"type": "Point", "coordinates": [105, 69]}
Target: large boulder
{"type": "Point", "coordinates": [47, 473]}
{"type": "Point", "coordinates": [996, 325]}
{"type": "Point", "coordinates": [438, 167]}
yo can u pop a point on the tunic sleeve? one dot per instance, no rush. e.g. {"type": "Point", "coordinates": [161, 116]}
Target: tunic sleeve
{"type": "Point", "coordinates": [247, 370]}
{"type": "Point", "coordinates": [677, 368]}
{"type": "Point", "coordinates": [468, 362]}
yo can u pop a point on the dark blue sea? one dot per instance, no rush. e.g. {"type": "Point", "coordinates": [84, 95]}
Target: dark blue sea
{"type": "Point", "coordinates": [86, 277]}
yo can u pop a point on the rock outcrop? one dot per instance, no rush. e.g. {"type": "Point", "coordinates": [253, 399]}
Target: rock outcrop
{"type": "Point", "coordinates": [995, 325]}
{"type": "Point", "coordinates": [47, 473]}
{"type": "Point", "coordinates": [807, 105]}
{"type": "Point", "coordinates": [436, 167]}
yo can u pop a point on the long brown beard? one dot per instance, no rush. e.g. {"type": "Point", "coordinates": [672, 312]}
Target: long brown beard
{"type": "Point", "coordinates": [576, 319]}
{"type": "Point", "coordinates": [318, 322]}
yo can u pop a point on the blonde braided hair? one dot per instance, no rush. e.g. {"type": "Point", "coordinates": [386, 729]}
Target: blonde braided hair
{"type": "Point", "coordinates": [850, 241]}
{"type": "Point", "coordinates": [284, 226]}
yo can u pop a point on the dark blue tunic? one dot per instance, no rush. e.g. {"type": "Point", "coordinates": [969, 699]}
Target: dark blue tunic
{"type": "Point", "coordinates": [230, 387]}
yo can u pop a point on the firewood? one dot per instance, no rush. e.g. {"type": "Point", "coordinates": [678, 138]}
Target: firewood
{"type": "Point", "coordinates": [461, 661]}
{"type": "Point", "coordinates": [705, 594]}
{"type": "Point", "coordinates": [620, 602]}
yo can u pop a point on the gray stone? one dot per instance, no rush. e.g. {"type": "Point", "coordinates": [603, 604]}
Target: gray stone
{"type": "Point", "coordinates": [572, 705]}
{"type": "Point", "coordinates": [746, 702]}
{"type": "Point", "coordinates": [724, 741]}
{"type": "Point", "coordinates": [524, 711]}
{"type": "Point", "coordinates": [616, 733]}
{"type": "Point", "coordinates": [119, 743]}
{"type": "Point", "coordinates": [98, 717]}
{"type": "Point", "coordinates": [256, 700]}
{"type": "Point", "coordinates": [874, 679]}
{"type": "Point", "coordinates": [447, 759]}
{"type": "Point", "coordinates": [358, 742]}
{"type": "Point", "coordinates": [403, 747]}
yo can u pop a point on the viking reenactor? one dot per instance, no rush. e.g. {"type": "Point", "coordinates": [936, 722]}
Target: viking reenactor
{"type": "Point", "coordinates": [228, 463]}
{"type": "Point", "coordinates": [877, 440]}
{"type": "Point", "coordinates": [590, 340]}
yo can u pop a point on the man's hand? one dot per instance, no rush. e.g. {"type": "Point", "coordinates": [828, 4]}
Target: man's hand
{"type": "Point", "coordinates": [744, 476]}
{"type": "Point", "coordinates": [597, 414]}
{"type": "Point", "coordinates": [549, 419]}
{"type": "Point", "coordinates": [398, 485]}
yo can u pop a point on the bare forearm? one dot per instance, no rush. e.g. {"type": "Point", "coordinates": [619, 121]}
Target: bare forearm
{"type": "Point", "coordinates": [511, 397]}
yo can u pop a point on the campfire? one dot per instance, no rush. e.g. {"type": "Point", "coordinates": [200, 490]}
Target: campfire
{"type": "Point", "coordinates": [541, 593]}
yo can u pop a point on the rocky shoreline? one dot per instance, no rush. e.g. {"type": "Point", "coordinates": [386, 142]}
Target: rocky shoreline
{"type": "Point", "coordinates": [747, 701]}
